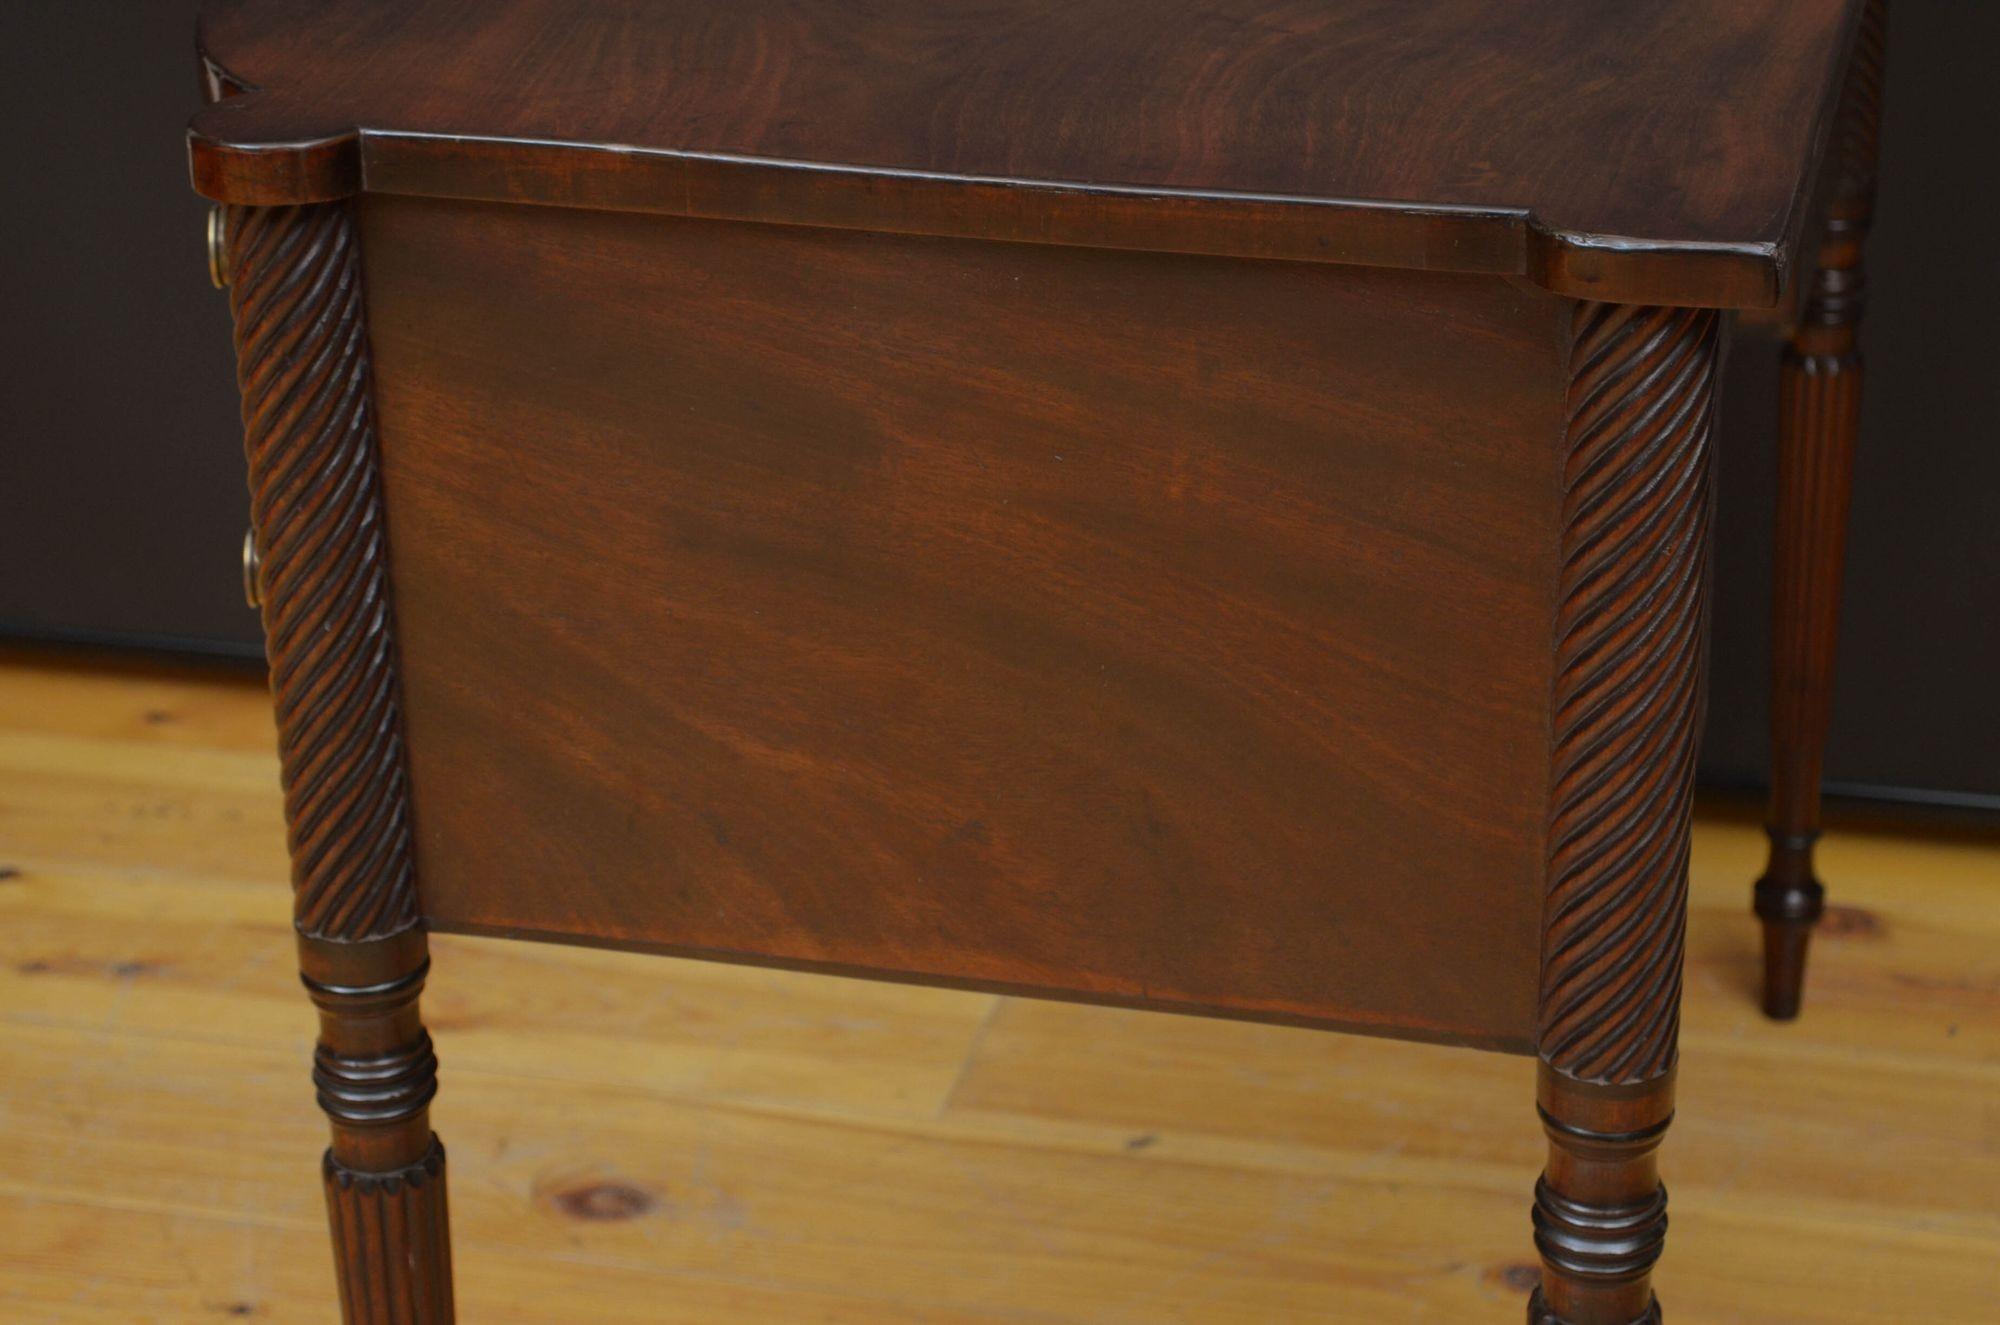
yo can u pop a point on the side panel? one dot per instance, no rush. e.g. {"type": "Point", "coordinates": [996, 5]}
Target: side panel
{"type": "Point", "coordinates": [1129, 627]}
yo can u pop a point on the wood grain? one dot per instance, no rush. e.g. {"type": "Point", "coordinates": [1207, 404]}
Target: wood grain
{"type": "Point", "coordinates": [1629, 151]}
{"type": "Point", "coordinates": [982, 619]}
{"type": "Point", "coordinates": [758, 1146]}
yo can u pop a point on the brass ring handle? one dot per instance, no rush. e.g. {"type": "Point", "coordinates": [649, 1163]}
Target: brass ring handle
{"type": "Point", "coordinates": [218, 270]}
{"type": "Point", "coordinates": [252, 561]}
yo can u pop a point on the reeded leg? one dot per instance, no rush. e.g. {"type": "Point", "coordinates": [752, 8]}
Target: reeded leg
{"type": "Point", "coordinates": [1820, 407]}
{"type": "Point", "coordinates": [1600, 1210]}
{"type": "Point", "coordinates": [384, 1172]}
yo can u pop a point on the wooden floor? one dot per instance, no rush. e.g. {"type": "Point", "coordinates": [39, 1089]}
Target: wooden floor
{"type": "Point", "coordinates": [773, 1148]}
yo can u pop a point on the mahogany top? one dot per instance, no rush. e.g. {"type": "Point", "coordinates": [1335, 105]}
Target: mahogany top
{"type": "Point", "coordinates": [1615, 149]}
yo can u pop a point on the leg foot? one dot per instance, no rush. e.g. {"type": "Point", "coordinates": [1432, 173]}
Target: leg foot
{"type": "Point", "coordinates": [1789, 903]}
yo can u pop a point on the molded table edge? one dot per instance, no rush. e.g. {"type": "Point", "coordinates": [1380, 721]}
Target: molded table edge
{"type": "Point", "coordinates": [340, 161]}
{"type": "Point", "coordinates": [1363, 232]}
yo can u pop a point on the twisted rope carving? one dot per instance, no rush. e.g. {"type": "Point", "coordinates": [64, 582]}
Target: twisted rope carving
{"type": "Point", "coordinates": [1861, 105]}
{"type": "Point", "coordinates": [315, 500]}
{"type": "Point", "coordinates": [1628, 696]}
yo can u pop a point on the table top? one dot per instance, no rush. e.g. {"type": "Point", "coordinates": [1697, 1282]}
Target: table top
{"type": "Point", "coordinates": [1616, 149]}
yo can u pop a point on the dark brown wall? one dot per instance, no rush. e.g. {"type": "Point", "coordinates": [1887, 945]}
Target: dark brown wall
{"type": "Point", "coordinates": [121, 490]}
{"type": "Point", "coordinates": [122, 503]}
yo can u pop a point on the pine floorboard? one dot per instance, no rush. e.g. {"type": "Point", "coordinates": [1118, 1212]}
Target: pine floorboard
{"type": "Point", "coordinates": [643, 1139]}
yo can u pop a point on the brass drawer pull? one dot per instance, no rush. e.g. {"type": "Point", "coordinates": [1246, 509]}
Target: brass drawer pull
{"type": "Point", "coordinates": [251, 563]}
{"type": "Point", "coordinates": [218, 270]}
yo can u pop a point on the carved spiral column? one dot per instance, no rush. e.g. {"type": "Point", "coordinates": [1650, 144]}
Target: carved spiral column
{"type": "Point", "coordinates": [1630, 653]}
{"type": "Point", "coordinates": [322, 574]}
{"type": "Point", "coordinates": [1819, 414]}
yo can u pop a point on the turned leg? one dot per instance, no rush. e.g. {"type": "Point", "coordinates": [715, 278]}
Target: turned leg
{"type": "Point", "coordinates": [1820, 408]}
{"type": "Point", "coordinates": [294, 276]}
{"type": "Point", "coordinates": [1600, 1210]}
{"type": "Point", "coordinates": [1630, 652]}
{"type": "Point", "coordinates": [384, 1171]}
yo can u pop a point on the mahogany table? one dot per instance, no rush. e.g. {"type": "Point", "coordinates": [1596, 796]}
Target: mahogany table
{"type": "Point", "coordinates": [1198, 504]}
